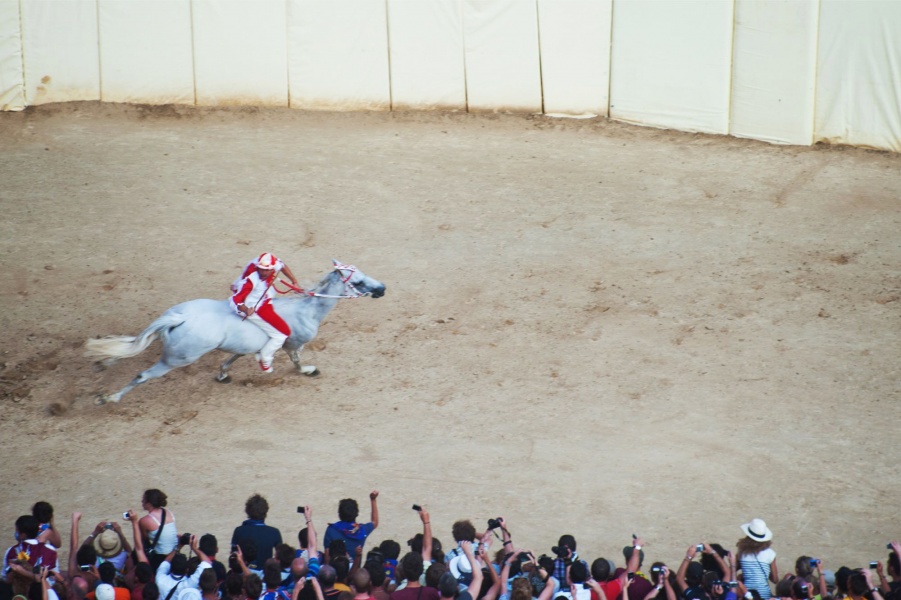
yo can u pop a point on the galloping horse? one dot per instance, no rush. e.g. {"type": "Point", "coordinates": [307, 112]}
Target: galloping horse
{"type": "Point", "coordinates": [191, 329]}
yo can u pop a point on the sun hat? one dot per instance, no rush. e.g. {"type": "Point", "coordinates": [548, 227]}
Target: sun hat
{"type": "Point", "coordinates": [108, 544]}
{"type": "Point", "coordinates": [266, 261]}
{"type": "Point", "coordinates": [105, 591]}
{"type": "Point", "coordinates": [460, 566]}
{"type": "Point", "coordinates": [757, 530]}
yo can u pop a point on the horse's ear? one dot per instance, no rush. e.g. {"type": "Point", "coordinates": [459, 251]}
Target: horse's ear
{"type": "Point", "coordinates": [335, 263]}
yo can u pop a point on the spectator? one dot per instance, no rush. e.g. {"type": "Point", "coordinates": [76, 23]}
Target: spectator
{"type": "Point", "coordinates": [254, 528]}
{"type": "Point", "coordinates": [390, 553]}
{"type": "Point", "coordinates": [107, 572]}
{"type": "Point", "coordinates": [379, 581]}
{"type": "Point", "coordinates": [354, 534]}
{"type": "Point", "coordinates": [141, 576]}
{"type": "Point", "coordinates": [341, 564]}
{"type": "Point", "coordinates": [158, 531]}
{"type": "Point", "coordinates": [209, 545]}
{"type": "Point", "coordinates": [757, 559]}
{"type": "Point", "coordinates": [463, 531]}
{"type": "Point", "coordinates": [272, 578]}
{"type": "Point", "coordinates": [362, 585]}
{"type": "Point", "coordinates": [209, 584]}
{"type": "Point", "coordinates": [253, 586]}
{"type": "Point", "coordinates": [690, 576]}
{"type": "Point", "coordinates": [641, 585]}
{"type": "Point", "coordinates": [28, 548]}
{"type": "Point", "coordinates": [111, 546]}
{"type": "Point", "coordinates": [610, 580]}
{"type": "Point", "coordinates": [860, 584]}
{"type": "Point", "coordinates": [47, 534]}
{"type": "Point", "coordinates": [326, 579]}
{"type": "Point", "coordinates": [891, 590]}
{"type": "Point", "coordinates": [173, 571]}
{"type": "Point", "coordinates": [662, 579]}
{"type": "Point", "coordinates": [565, 551]}
{"type": "Point", "coordinates": [284, 554]}
{"type": "Point", "coordinates": [411, 567]}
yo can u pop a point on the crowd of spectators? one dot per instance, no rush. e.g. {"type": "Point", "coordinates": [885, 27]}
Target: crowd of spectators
{"type": "Point", "coordinates": [156, 563]}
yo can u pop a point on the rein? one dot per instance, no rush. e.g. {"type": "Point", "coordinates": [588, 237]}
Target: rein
{"type": "Point", "coordinates": [351, 292]}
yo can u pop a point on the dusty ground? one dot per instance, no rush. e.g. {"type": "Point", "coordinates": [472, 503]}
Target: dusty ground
{"type": "Point", "coordinates": [589, 327]}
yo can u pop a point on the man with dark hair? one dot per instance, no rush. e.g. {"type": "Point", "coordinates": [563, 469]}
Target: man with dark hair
{"type": "Point", "coordinates": [860, 586]}
{"type": "Point", "coordinates": [209, 585]}
{"type": "Point", "coordinates": [891, 590]}
{"type": "Point", "coordinates": [354, 534]}
{"type": "Point", "coordinates": [390, 553]}
{"type": "Point", "coordinates": [107, 573]}
{"type": "Point", "coordinates": [28, 546]}
{"type": "Point", "coordinates": [463, 531]}
{"type": "Point", "coordinates": [209, 545]}
{"type": "Point", "coordinates": [411, 568]}
{"type": "Point", "coordinates": [47, 534]}
{"type": "Point", "coordinates": [254, 528]}
{"type": "Point", "coordinates": [611, 580]}
{"type": "Point", "coordinates": [172, 575]}
{"type": "Point", "coordinates": [341, 565]}
{"type": "Point", "coordinates": [272, 577]}
{"type": "Point", "coordinates": [378, 580]}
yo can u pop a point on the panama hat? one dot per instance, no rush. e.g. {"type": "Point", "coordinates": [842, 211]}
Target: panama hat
{"type": "Point", "coordinates": [757, 530]}
{"type": "Point", "coordinates": [108, 544]}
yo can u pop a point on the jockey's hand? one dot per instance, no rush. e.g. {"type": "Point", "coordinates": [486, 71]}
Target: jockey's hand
{"type": "Point", "coordinates": [247, 310]}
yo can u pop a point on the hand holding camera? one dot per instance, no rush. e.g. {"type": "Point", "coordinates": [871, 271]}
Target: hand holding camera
{"type": "Point", "coordinates": [184, 539]}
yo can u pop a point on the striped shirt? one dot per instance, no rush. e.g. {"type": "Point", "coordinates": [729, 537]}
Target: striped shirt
{"type": "Point", "coordinates": [755, 570]}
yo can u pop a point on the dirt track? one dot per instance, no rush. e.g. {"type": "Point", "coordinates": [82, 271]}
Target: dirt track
{"type": "Point", "coordinates": [589, 327]}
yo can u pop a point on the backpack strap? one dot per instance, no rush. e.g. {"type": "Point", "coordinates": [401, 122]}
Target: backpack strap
{"type": "Point", "coordinates": [159, 532]}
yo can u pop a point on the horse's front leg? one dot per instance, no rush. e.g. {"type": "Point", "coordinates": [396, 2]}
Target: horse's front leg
{"type": "Point", "coordinates": [308, 370]}
{"type": "Point", "coordinates": [223, 377]}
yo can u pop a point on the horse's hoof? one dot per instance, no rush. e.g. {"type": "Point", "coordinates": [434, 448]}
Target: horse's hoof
{"type": "Point", "coordinates": [226, 379]}
{"type": "Point", "coordinates": [102, 399]}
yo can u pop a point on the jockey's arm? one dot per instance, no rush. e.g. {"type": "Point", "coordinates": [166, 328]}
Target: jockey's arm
{"type": "Point", "coordinates": [287, 271]}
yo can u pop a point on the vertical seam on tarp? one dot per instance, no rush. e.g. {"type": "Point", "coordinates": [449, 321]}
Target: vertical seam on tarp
{"type": "Point", "coordinates": [22, 53]}
{"type": "Point", "coordinates": [540, 70]}
{"type": "Point", "coordinates": [731, 69]}
{"type": "Point", "coordinates": [193, 52]}
{"type": "Point", "coordinates": [816, 74]}
{"type": "Point", "coordinates": [610, 65]}
{"type": "Point", "coordinates": [465, 76]}
{"type": "Point", "coordinates": [388, 40]}
{"type": "Point", "coordinates": [99, 49]}
{"type": "Point", "coordinates": [287, 54]}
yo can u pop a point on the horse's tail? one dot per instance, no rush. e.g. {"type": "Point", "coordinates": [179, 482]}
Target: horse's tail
{"type": "Point", "coordinates": [124, 346]}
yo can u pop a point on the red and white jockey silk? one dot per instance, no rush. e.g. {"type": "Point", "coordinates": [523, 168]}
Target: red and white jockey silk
{"type": "Point", "coordinates": [255, 292]}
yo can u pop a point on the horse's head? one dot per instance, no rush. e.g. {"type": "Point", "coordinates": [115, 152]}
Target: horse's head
{"type": "Point", "coordinates": [357, 283]}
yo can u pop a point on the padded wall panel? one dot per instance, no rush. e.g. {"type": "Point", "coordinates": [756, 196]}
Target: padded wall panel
{"type": "Point", "coordinates": [62, 61]}
{"type": "Point", "coordinates": [338, 53]}
{"type": "Point", "coordinates": [671, 63]}
{"type": "Point", "coordinates": [501, 49]}
{"type": "Point", "coordinates": [774, 70]}
{"type": "Point", "coordinates": [575, 55]}
{"type": "Point", "coordinates": [12, 89]}
{"type": "Point", "coordinates": [145, 51]}
{"type": "Point", "coordinates": [240, 52]}
{"type": "Point", "coordinates": [859, 73]}
{"type": "Point", "coordinates": [426, 54]}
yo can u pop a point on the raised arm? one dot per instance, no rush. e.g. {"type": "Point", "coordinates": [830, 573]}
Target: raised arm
{"type": "Point", "coordinates": [774, 572]}
{"type": "Point", "coordinates": [719, 560]}
{"type": "Point", "coordinates": [635, 558]}
{"type": "Point", "coordinates": [426, 535]}
{"type": "Point", "coordinates": [374, 503]}
{"type": "Point", "coordinates": [51, 535]}
{"type": "Point", "coordinates": [492, 592]}
{"type": "Point", "coordinates": [476, 586]}
{"type": "Point", "coordinates": [311, 533]}
{"type": "Point", "coordinates": [138, 537]}
{"type": "Point", "coordinates": [73, 545]}
{"type": "Point", "coordinates": [683, 568]}
{"type": "Point", "coordinates": [667, 585]}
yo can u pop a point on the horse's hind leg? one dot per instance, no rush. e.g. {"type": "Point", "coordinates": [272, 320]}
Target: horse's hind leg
{"type": "Point", "coordinates": [223, 377]}
{"type": "Point", "coordinates": [308, 370]}
{"type": "Point", "coordinates": [157, 370]}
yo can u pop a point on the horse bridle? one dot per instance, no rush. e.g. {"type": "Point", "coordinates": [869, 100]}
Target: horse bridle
{"type": "Point", "coordinates": [351, 291]}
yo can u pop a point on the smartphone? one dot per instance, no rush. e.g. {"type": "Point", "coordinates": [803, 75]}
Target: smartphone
{"type": "Point", "coordinates": [126, 515]}
{"type": "Point", "coordinates": [873, 565]}
{"type": "Point", "coordinates": [814, 562]}
{"type": "Point", "coordinates": [699, 547]}
{"type": "Point", "coordinates": [301, 509]}
{"type": "Point", "coordinates": [417, 508]}
{"type": "Point", "coordinates": [36, 570]}
{"type": "Point", "coordinates": [234, 548]}
{"type": "Point", "coordinates": [631, 576]}
{"type": "Point", "coordinates": [85, 567]}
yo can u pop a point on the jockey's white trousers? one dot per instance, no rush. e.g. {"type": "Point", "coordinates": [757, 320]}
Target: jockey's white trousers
{"type": "Point", "coordinates": [276, 339]}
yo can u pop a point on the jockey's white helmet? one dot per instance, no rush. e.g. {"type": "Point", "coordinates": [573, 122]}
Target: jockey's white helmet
{"type": "Point", "coordinates": [266, 261]}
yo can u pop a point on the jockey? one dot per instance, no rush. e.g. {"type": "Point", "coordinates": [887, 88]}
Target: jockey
{"type": "Point", "coordinates": [253, 300]}
{"type": "Point", "coordinates": [252, 266]}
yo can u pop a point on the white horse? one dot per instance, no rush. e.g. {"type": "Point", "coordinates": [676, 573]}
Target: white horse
{"type": "Point", "coordinates": [191, 329]}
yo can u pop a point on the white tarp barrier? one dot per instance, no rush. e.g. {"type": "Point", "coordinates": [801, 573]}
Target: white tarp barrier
{"type": "Point", "coordinates": [145, 51]}
{"type": "Point", "coordinates": [859, 73]}
{"type": "Point", "coordinates": [575, 55]}
{"type": "Point", "coordinates": [501, 47]}
{"type": "Point", "coordinates": [240, 52]}
{"type": "Point", "coordinates": [774, 70]}
{"type": "Point", "coordinates": [338, 53]}
{"type": "Point", "coordinates": [671, 63]}
{"type": "Point", "coordinates": [12, 90]}
{"type": "Point", "coordinates": [426, 54]}
{"type": "Point", "coordinates": [62, 61]}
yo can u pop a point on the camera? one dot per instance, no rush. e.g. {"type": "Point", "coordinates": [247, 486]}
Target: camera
{"type": "Point", "coordinates": [717, 582]}
{"type": "Point", "coordinates": [730, 584]}
{"type": "Point", "coordinates": [560, 551]}
{"type": "Point", "coordinates": [631, 576]}
{"type": "Point", "coordinates": [108, 526]}
{"type": "Point", "coordinates": [814, 562]}
{"type": "Point", "coordinates": [417, 508]}
{"type": "Point", "coordinates": [85, 568]}
{"type": "Point", "coordinates": [36, 570]}
{"type": "Point", "coordinates": [658, 569]}
{"type": "Point", "coordinates": [494, 523]}
{"type": "Point", "coordinates": [184, 539]}
{"type": "Point", "coordinates": [889, 546]}
{"type": "Point", "coordinates": [301, 509]}
{"type": "Point", "coordinates": [873, 564]}
{"type": "Point", "coordinates": [375, 555]}
{"type": "Point", "coordinates": [126, 515]}
{"type": "Point", "coordinates": [699, 547]}
{"type": "Point", "coordinates": [234, 548]}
